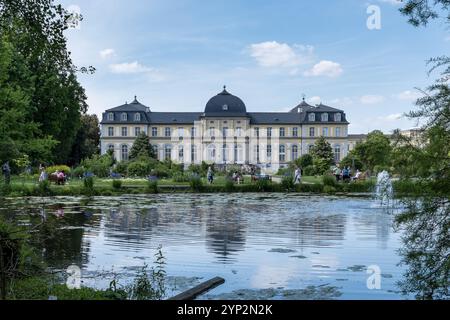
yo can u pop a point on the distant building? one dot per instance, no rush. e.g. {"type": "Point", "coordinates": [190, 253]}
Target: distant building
{"type": "Point", "coordinates": [225, 133]}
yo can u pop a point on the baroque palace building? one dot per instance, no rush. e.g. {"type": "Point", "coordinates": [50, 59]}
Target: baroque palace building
{"type": "Point", "coordinates": [225, 133]}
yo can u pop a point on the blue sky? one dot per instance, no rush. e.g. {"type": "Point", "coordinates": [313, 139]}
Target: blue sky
{"type": "Point", "coordinates": [175, 55]}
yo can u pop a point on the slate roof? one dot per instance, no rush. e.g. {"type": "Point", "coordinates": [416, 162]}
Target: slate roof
{"type": "Point", "coordinates": [274, 118]}
{"type": "Point", "coordinates": [234, 105]}
{"type": "Point", "coordinates": [214, 109]}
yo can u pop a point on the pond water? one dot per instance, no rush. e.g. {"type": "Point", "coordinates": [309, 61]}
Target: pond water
{"type": "Point", "coordinates": [268, 246]}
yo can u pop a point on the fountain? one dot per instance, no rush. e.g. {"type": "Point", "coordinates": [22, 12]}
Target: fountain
{"type": "Point", "coordinates": [384, 191]}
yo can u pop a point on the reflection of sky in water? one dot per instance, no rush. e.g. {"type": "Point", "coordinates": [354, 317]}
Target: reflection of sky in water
{"type": "Point", "coordinates": [230, 236]}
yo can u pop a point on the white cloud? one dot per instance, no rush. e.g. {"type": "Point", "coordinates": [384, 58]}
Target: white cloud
{"type": "Point", "coordinates": [371, 99]}
{"type": "Point", "coordinates": [393, 2]}
{"type": "Point", "coordinates": [346, 101]}
{"type": "Point", "coordinates": [275, 54]}
{"type": "Point", "coordinates": [408, 95]}
{"type": "Point", "coordinates": [153, 75]}
{"type": "Point", "coordinates": [107, 53]}
{"type": "Point", "coordinates": [131, 67]}
{"type": "Point", "coordinates": [315, 100]}
{"type": "Point", "coordinates": [392, 117]}
{"type": "Point", "coordinates": [325, 68]}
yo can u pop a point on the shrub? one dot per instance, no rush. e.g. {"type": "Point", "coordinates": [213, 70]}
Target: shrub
{"type": "Point", "coordinates": [287, 183]}
{"type": "Point", "coordinates": [88, 184]}
{"type": "Point", "coordinates": [329, 189]}
{"type": "Point", "coordinates": [139, 169]}
{"type": "Point", "coordinates": [52, 169]}
{"type": "Point", "coordinates": [43, 188]}
{"type": "Point", "coordinates": [152, 186]}
{"type": "Point", "coordinates": [229, 185]}
{"type": "Point", "coordinates": [122, 168]}
{"type": "Point", "coordinates": [310, 188]}
{"type": "Point", "coordinates": [196, 184]}
{"type": "Point", "coordinates": [98, 165]}
{"type": "Point", "coordinates": [117, 184]}
{"type": "Point", "coordinates": [181, 177]}
{"type": "Point", "coordinates": [329, 181]}
{"type": "Point", "coordinates": [263, 185]}
{"type": "Point", "coordinates": [305, 161]}
{"type": "Point", "coordinates": [161, 171]}
{"type": "Point", "coordinates": [309, 171]}
{"type": "Point", "coordinates": [78, 172]}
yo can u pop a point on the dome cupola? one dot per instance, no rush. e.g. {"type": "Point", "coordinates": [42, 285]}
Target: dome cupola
{"type": "Point", "coordinates": [225, 104]}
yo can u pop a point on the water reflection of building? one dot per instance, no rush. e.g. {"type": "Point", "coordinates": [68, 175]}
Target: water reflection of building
{"type": "Point", "coordinates": [61, 237]}
{"type": "Point", "coordinates": [320, 230]}
{"type": "Point", "coordinates": [225, 233]}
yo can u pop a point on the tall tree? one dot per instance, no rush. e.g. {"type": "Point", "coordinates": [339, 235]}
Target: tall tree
{"type": "Point", "coordinates": [87, 141]}
{"type": "Point", "coordinates": [142, 147]}
{"type": "Point", "coordinates": [322, 153]}
{"type": "Point", "coordinates": [375, 151]}
{"type": "Point", "coordinates": [20, 134]}
{"type": "Point", "coordinates": [426, 220]}
{"type": "Point", "coordinates": [36, 29]}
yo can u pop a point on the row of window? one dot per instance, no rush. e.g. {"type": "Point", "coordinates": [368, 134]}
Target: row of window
{"type": "Point", "coordinates": [324, 117]}
{"type": "Point", "coordinates": [238, 152]}
{"type": "Point", "coordinates": [225, 132]}
{"type": "Point", "coordinates": [124, 117]}
{"type": "Point", "coordinates": [312, 117]}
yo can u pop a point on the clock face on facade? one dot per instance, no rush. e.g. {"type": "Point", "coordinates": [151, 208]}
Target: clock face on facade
{"type": "Point", "coordinates": [225, 107]}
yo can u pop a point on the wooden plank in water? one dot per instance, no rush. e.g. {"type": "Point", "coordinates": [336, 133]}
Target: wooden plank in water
{"type": "Point", "coordinates": [193, 293]}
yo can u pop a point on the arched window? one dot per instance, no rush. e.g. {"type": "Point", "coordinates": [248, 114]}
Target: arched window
{"type": "Point", "coordinates": [124, 152]}
{"type": "Point", "coordinates": [193, 153]}
{"type": "Point", "coordinates": [211, 152]}
{"type": "Point", "coordinates": [238, 153]}
{"type": "Point", "coordinates": [312, 117]}
{"type": "Point", "coordinates": [156, 150]}
{"type": "Point", "coordinates": [294, 153]}
{"type": "Point", "coordinates": [310, 148]}
{"type": "Point", "coordinates": [124, 117]}
{"type": "Point", "coordinates": [324, 117]}
{"type": "Point", "coordinates": [168, 152]}
{"type": "Point", "coordinates": [181, 153]}
{"type": "Point", "coordinates": [111, 116]}
{"type": "Point", "coordinates": [282, 153]}
{"type": "Point", "coordinates": [337, 153]}
{"type": "Point", "coordinates": [224, 153]}
{"type": "Point", "coordinates": [111, 147]}
{"type": "Point", "coordinates": [137, 117]}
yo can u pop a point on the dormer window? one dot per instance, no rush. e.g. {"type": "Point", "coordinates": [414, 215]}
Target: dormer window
{"type": "Point", "coordinates": [324, 117]}
{"type": "Point", "coordinates": [225, 107]}
{"type": "Point", "coordinates": [124, 117]}
{"type": "Point", "coordinates": [111, 116]}
{"type": "Point", "coordinates": [312, 117]}
{"type": "Point", "coordinates": [137, 117]}
{"type": "Point", "coordinates": [337, 117]}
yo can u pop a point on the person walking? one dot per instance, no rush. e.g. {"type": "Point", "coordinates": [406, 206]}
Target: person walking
{"type": "Point", "coordinates": [6, 169]}
{"type": "Point", "coordinates": [210, 175]}
{"type": "Point", "coordinates": [298, 176]}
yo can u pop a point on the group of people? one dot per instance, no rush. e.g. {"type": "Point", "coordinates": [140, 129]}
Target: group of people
{"type": "Point", "coordinates": [346, 174]}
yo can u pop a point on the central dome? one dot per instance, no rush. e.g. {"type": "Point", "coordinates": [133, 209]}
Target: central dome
{"type": "Point", "coordinates": [225, 104]}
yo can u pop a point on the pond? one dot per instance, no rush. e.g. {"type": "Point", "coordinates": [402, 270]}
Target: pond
{"type": "Point", "coordinates": [265, 246]}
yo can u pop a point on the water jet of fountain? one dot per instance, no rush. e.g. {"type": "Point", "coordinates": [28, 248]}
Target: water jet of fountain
{"type": "Point", "coordinates": [384, 191]}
